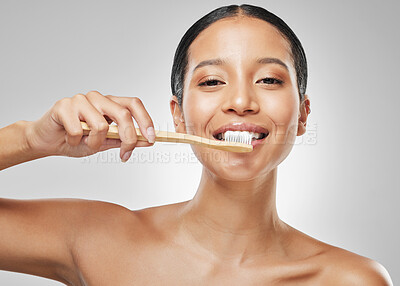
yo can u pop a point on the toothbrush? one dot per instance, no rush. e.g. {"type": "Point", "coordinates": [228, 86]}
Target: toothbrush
{"type": "Point", "coordinates": [165, 136]}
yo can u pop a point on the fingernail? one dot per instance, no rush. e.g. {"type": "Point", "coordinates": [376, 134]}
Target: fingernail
{"type": "Point", "coordinates": [126, 156]}
{"type": "Point", "coordinates": [151, 136]}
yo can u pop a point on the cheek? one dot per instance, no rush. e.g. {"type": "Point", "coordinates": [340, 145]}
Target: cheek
{"type": "Point", "coordinates": [283, 112]}
{"type": "Point", "coordinates": [198, 108]}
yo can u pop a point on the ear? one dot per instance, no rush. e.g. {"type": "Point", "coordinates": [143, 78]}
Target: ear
{"type": "Point", "coordinates": [304, 111]}
{"type": "Point", "coordinates": [177, 115]}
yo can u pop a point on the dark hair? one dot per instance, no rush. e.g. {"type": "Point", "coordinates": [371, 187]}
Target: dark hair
{"type": "Point", "coordinates": [179, 67]}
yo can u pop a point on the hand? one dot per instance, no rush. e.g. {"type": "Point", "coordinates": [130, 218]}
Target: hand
{"type": "Point", "coordinates": [59, 132]}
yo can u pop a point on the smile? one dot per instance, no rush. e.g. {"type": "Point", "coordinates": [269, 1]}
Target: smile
{"type": "Point", "coordinates": [247, 133]}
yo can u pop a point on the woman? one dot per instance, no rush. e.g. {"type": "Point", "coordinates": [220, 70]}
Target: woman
{"type": "Point", "coordinates": [237, 68]}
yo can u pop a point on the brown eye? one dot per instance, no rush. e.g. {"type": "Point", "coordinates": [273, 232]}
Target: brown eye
{"type": "Point", "coordinates": [210, 82]}
{"type": "Point", "coordinates": [271, 80]}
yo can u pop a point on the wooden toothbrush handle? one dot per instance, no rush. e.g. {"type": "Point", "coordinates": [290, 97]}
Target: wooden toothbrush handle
{"type": "Point", "coordinates": [161, 136]}
{"type": "Point", "coordinates": [112, 132]}
{"type": "Point", "coordinates": [173, 137]}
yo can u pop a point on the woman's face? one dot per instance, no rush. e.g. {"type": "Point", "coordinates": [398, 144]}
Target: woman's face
{"type": "Point", "coordinates": [251, 79]}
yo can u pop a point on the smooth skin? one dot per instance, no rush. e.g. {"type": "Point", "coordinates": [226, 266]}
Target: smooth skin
{"type": "Point", "coordinates": [229, 233]}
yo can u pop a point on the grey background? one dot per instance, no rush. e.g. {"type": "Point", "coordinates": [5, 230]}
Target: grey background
{"type": "Point", "coordinates": [341, 182]}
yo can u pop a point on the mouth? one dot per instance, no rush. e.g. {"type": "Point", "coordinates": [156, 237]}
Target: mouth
{"type": "Point", "coordinates": [248, 133]}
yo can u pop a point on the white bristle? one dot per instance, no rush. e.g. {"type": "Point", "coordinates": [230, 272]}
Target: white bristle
{"type": "Point", "coordinates": [238, 136]}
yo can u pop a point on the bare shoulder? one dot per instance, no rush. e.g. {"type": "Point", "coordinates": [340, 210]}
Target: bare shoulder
{"type": "Point", "coordinates": [98, 216]}
{"type": "Point", "coordinates": [160, 217]}
{"type": "Point", "coordinates": [338, 266]}
{"type": "Point", "coordinates": [346, 268]}
{"type": "Point", "coordinates": [106, 217]}
{"type": "Point", "coordinates": [142, 224]}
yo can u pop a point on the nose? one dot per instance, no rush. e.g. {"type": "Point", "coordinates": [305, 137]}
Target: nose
{"type": "Point", "coordinates": [241, 100]}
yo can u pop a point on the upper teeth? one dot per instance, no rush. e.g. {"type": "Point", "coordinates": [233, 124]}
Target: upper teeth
{"type": "Point", "coordinates": [239, 136]}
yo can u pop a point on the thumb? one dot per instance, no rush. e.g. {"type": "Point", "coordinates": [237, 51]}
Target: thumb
{"type": "Point", "coordinates": [109, 144]}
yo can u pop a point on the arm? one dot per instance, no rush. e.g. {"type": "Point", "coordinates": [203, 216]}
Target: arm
{"type": "Point", "coordinates": [39, 237]}
{"type": "Point", "coordinates": [14, 148]}
{"type": "Point", "coordinates": [36, 238]}
{"type": "Point", "coordinates": [45, 237]}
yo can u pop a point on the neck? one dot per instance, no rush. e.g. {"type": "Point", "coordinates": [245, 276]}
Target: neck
{"type": "Point", "coordinates": [231, 219]}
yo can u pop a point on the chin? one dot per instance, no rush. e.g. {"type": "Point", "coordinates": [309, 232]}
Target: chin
{"type": "Point", "coordinates": [236, 175]}
{"type": "Point", "coordinates": [233, 166]}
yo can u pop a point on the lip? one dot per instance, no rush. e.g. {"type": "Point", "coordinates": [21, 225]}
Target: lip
{"type": "Point", "coordinates": [243, 126]}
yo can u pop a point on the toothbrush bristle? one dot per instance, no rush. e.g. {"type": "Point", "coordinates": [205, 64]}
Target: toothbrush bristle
{"type": "Point", "coordinates": [237, 136]}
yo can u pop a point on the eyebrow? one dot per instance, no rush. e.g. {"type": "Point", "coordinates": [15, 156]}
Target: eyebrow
{"type": "Point", "coordinates": [218, 62]}
{"type": "Point", "coordinates": [272, 61]}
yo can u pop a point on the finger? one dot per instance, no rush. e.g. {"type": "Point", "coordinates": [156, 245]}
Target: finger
{"type": "Point", "coordinates": [94, 119]}
{"type": "Point", "coordinates": [116, 143]}
{"type": "Point", "coordinates": [73, 130]}
{"type": "Point", "coordinates": [121, 115]}
{"type": "Point", "coordinates": [109, 144]}
{"type": "Point", "coordinates": [139, 112]}
{"type": "Point", "coordinates": [71, 124]}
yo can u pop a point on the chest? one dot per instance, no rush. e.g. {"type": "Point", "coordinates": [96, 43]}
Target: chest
{"type": "Point", "coordinates": [169, 266]}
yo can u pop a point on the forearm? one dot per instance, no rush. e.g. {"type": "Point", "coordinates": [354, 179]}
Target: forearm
{"type": "Point", "coordinates": [14, 146]}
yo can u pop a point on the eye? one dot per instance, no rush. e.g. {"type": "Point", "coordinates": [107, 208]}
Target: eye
{"type": "Point", "coordinates": [210, 82]}
{"type": "Point", "coordinates": [271, 80]}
